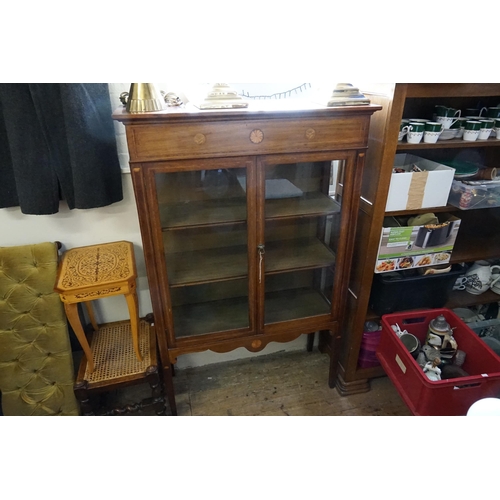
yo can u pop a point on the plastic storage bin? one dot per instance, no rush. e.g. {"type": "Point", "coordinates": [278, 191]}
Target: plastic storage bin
{"type": "Point", "coordinates": [444, 397]}
{"type": "Point", "coordinates": [470, 197]}
{"type": "Point", "coordinates": [404, 290]}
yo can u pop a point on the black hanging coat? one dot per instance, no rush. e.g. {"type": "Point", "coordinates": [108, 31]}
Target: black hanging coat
{"type": "Point", "coordinates": [57, 142]}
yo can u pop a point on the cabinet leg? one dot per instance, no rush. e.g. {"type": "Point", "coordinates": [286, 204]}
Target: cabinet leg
{"type": "Point", "coordinates": [335, 341]}
{"type": "Point", "coordinates": [168, 383]}
{"type": "Point", "coordinates": [347, 388]}
{"type": "Point", "coordinates": [310, 341]}
{"type": "Point", "coordinates": [157, 396]}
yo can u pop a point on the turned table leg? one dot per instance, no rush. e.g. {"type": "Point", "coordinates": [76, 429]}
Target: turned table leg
{"type": "Point", "coordinates": [133, 309]}
{"type": "Point", "coordinates": [90, 312]}
{"type": "Point", "coordinates": [74, 321]}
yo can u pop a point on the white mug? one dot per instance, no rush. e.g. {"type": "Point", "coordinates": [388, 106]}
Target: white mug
{"type": "Point", "coordinates": [495, 280]}
{"type": "Point", "coordinates": [431, 137]}
{"type": "Point", "coordinates": [460, 283]}
{"type": "Point", "coordinates": [470, 135]}
{"type": "Point", "coordinates": [478, 277]}
{"type": "Point", "coordinates": [402, 133]}
{"type": "Point", "coordinates": [413, 136]}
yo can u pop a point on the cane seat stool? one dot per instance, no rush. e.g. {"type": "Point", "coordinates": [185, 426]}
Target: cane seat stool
{"type": "Point", "coordinates": [117, 367]}
{"type": "Point", "coordinates": [93, 272]}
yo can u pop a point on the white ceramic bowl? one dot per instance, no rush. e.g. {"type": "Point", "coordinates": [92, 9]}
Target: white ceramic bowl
{"type": "Point", "coordinates": [449, 133]}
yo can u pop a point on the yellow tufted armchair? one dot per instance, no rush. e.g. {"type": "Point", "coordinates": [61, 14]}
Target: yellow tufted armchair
{"type": "Point", "coordinates": [36, 364]}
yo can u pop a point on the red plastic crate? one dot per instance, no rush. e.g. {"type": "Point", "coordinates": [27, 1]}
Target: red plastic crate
{"type": "Point", "coordinates": [444, 397]}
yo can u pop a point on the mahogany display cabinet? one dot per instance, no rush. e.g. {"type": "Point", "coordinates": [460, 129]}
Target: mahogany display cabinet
{"type": "Point", "coordinates": [248, 218]}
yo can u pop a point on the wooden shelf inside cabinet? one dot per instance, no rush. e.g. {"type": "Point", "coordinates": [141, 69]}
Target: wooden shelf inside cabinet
{"type": "Point", "coordinates": [312, 204]}
{"type": "Point", "coordinates": [292, 304]}
{"type": "Point", "coordinates": [454, 90]}
{"type": "Point", "coordinates": [203, 213]}
{"type": "Point", "coordinates": [211, 316]}
{"type": "Point", "coordinates": [461, 298]}
{"type": "Point", "coordinates": [232, 314]}
{"type": "Point", "coordinates": [297, 255]}
{"type": "Point", "coordinates": [478, 237]}
{"type": "Point", "coordinates": [452, 143]}
{"type": "Point", "coordinates": [233, 211]}
{"type": "Point", "coordinates": [446, 208]}
{"type": "Point", "coordinates": [208, 265]}
{"type": "Point", "coordinates": [229, 263]}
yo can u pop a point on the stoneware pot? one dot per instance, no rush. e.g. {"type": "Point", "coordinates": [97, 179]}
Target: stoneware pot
{"type": "Point", "coordinates": [478, 277]}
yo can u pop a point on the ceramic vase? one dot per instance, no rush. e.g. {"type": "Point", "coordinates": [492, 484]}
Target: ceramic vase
{"type": "Point", "coordinates": [478, 277]}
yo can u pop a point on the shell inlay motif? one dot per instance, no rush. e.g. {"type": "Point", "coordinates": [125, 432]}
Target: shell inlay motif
{"type": "Point", "coordinates": [256, 136]}
{"type": "Point", "coordinates": [310, 133]}
{"type": "Point", "coordinates": [200, 139]}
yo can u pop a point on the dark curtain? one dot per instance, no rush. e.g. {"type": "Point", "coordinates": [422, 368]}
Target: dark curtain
{"type": "Point", "coordinates": [57, 142]}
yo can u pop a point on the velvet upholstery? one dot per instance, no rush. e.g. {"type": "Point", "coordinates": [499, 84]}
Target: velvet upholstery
{"type": "Point", "coordinates": [36, 364]}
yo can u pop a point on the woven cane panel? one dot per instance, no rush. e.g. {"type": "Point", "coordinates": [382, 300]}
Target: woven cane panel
{"type": "Point", "coordinates": [114, 354]}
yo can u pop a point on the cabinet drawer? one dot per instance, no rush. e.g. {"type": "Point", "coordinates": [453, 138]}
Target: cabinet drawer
{"type": "Point", "coordinates": [246, 137]}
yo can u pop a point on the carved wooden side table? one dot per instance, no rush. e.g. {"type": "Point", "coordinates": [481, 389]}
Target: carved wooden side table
{"type": "Point", "coordinates": [93, 272]}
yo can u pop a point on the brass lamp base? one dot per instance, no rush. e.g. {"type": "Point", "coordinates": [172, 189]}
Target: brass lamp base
{"type": "Point", "coordinates": [143, 98]}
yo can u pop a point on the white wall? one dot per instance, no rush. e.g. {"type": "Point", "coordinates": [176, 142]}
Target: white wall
{"type": "Point", "coordinates": [74, 228]}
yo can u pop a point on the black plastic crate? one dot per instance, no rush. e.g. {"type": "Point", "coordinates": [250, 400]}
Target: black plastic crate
{"type": "Point", "coordinates": [406, 290]}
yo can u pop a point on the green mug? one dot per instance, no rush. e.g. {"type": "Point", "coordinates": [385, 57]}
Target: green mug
{"type": "Point", "coordinates": [433, 127]}
{"type": "Point", "coordinates": [415, 132]}
{"type": "Point", "coordinates": [445, 111]}
{"type": "Point", "coordinates": [432, 132]}
{"type": "Point", "coordinates": [487, 123]}
{"type": "Point", "coordinates": [416, 126]}
{"type": "Point", "coordinates": [494, 112]}
{"type": "Point", "coordinates": [486, 128]}
{"type": "Point", "coordinates": [472, 125]}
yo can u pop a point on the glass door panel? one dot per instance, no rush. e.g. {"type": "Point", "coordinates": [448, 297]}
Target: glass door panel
{"type": "Point", "coordinates": [301, 231]}
{"type": "Point", "coordinates": [203, 216]}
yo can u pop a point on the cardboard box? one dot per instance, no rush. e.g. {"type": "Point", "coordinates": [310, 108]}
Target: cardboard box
{"type": "Point", "coordinates": [408, 247]}
{"type": "Point", "coordinates": [413, 190]}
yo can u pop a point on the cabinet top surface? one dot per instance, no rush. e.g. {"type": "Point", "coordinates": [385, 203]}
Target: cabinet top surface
{"type": "Point", "coordinates": [256, 110]}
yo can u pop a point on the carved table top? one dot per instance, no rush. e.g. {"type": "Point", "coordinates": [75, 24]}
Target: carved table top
{"type": "Point", "coordinates": [96, 266]}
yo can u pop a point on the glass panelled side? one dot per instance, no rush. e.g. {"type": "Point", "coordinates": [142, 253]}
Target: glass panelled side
{"type": "Point", "coordinates": [302, 226]}
{"type": "Point", "coordinates": [203, 216]}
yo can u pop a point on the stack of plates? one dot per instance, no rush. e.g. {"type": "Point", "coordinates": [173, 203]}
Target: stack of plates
{"type": "Point", "coordinates": [463, 170]}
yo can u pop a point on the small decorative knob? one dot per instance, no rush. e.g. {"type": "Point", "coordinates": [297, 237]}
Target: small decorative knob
{"type": "Point", "coordinates": [199, 139]}
{"type": "Point", "coordinates": [256, 344]}
{"type": "Point", "coordinates": [256, 136]}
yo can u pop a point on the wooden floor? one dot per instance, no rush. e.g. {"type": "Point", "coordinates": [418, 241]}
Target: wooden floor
{"type": "Point", "coordinates": [285, 383]}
